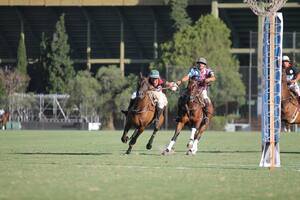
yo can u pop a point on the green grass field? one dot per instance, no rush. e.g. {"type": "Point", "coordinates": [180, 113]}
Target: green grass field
{"type": "Point", "coordinates": [92, 165]}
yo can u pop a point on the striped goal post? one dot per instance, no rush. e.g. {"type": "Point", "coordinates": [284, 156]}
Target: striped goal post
{"type": "Point", "coordinates": [271, 88]}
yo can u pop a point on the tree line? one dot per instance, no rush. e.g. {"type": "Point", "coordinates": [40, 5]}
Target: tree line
{"type": "Point", "coordinates": [105, 92]}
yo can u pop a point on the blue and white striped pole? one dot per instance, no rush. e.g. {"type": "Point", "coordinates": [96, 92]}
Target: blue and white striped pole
{"type": "Point", "coordinates": [271, 101]}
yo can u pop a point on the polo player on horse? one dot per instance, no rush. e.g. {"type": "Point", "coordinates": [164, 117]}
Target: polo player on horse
{"type": "Point", "coordinates": [156, 87]}
{"type": "Point", "coordinates": [292, 75]}
{"type": "Point", "coordinates": [204, 76]}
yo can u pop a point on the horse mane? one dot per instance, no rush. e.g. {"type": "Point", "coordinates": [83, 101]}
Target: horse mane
{"type": "Point", "coordinates": [196, 86]}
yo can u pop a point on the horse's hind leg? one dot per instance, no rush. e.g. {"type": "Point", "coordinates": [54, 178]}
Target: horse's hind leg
{"type": "Point", "coordinates": [133, 139]}
{"type": "Point", "coordinates": [124, 137]}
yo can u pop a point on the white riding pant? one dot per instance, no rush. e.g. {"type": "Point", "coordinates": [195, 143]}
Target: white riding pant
{"type": "Point", "coordinates": [295, 88]}
{"type": "Point", "coordinates": [160, 98]}
{"type": "Point", "coordinates": [204, 94]}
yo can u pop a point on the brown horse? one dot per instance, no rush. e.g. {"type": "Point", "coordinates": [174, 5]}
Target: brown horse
{"type": "Point", "coordinates": [4, 119]}
{"type": "Point", "coordinates": [192, 116]}
{"type": "Point", "coordinates": [290, 108]}
{"type": "Point", "coordinates": [141, 115]}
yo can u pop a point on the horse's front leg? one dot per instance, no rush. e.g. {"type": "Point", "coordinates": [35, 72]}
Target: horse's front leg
{"type": "Point", "coordinates": [134, 138]}
{"type": "Point", "coordinates": [124, 137]}
{"type": "Point", "coordinates": [179, 127]}
{"type": "Point", "coordinates": [149, 144]}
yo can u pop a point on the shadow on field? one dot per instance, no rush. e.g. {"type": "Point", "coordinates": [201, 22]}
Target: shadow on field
{"type": "Point", "coordinates": [236, 151]}
{"type": "Point", "coordinates": [290, 152]}
{"type": "Point", "coordinates": [67, 154]}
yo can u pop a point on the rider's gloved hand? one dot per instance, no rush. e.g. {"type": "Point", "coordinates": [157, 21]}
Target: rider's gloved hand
{"type": "Point", "coordinates": [178, 82]}
{"type": "Point", "coordinates": [174, 86]}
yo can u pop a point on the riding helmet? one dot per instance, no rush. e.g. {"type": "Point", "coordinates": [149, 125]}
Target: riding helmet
{"type": "Point", "coordinates": [154, 74]}
{"type": "Point", "coordinates": [201, 60]}
{"type": "Point", "coordinates": [285, 58]}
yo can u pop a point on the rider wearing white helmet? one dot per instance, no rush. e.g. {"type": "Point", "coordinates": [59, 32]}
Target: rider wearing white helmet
{"type": "Point", "coordinates": [292, 75]}
{"type": "Point", "coordinates": [205, 76]}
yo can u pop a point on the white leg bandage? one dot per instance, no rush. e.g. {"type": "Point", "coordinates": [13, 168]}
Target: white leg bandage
{"type": "Point", "coordinates": [171, 145]}
{"type": "Point", "coordinates": [204, 94]}
{"type": "Point", "coordinates": [193, 133]}
{"type": "Point", "coordinates": [195, 146]}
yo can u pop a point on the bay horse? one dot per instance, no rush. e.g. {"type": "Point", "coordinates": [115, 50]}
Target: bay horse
{"type": "Point", "coordinates": [193, 116]}
{"type": "Point", "coordinates": [141, 115]}
{"type": "Point", "coordinates": [4, 119]}
{"type": "Point", "coordinates": [290, 107]}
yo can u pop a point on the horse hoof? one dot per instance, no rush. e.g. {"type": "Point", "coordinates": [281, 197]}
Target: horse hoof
{"type": "Point", "coordinates": [189, 152]}
{"type": "Point", "coordinates": [168, 152]}
{"type": "Point", "coordinates": [165, 152]}
{"type": "Point", "coordinates": [149, 146]}
{"type": "Point", "coordinates": [189, 146]}
{"type": "Point", "coordinates": [128, 152]}
{"type": "Point", "coordinates": [124, 140]}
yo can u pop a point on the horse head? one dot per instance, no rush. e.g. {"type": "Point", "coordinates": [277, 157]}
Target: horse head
{"type": "Point", "coordinates": [143, 86]}
{"type": "Point", "coordinates": [193, 88]}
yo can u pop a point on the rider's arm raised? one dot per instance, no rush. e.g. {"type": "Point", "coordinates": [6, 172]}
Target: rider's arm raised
{"type": "Point", "coordinates": [184, 79]}
{"type": "Point", "coordinates": [210, 79]}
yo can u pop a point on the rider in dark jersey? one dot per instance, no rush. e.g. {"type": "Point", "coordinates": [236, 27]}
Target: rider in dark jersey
{"type": "Point", "coordinates": [292, 75]}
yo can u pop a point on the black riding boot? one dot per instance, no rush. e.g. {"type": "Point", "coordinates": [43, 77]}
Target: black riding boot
{"type": "Point", "coordinates": [129, 107]}
{"type": "Point", "coordinates": [158, 113]}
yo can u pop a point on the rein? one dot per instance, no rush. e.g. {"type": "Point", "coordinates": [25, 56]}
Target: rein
{"type": "Point", "coordinates": [145, 109]}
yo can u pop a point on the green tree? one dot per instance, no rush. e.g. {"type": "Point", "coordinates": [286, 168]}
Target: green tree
{"type": "Point", "coordinates": [44, 63]}
{"type": "Point", "coordinates": [61, 69]}
{"type": "Point", "coordinates": [83, 94]}
{"type": "Point", "coordinates": [209, 38]}
{"type": "Point", "coordinates": [179, 14]}
{"type": "Point", "coordinates": [21, 56]}
{"type": "Point", "coordinates": [21, 69]}
{"type": "Point", "coordinates": [114, 93]}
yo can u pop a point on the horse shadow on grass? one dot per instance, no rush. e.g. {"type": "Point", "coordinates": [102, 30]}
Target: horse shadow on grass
{"type": "Point", "coordinates": [62, 153]}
